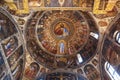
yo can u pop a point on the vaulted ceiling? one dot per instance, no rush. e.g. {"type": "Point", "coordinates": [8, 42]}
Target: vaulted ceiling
{"type": "Point", "coordinates": [59, 40]}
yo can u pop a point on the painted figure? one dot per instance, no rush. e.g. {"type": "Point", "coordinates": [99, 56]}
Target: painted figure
{"type": "Point", "coordinates": [61, 31]}
{"type": "Point", "coordinates": [62, 47]}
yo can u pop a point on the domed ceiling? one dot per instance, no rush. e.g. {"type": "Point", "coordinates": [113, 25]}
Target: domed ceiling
{"type": "Point", "coordinates": [57, 36]}
{"type": "Point", "coordinates": [110, 58]}
{"type": "Point", "coordinates": [12, 57]}
{"type": "Point", "coordinates": [62, 40]}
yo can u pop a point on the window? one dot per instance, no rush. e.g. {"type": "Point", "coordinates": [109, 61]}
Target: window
{"type": "Point", "coordinates": [111, 71]}
{"type": "Point", "coordinates": [118, 37]}
{"type": "Point", "coordinates": [95, 35]}
{"type": "Point", "coordinates": [79, 58]}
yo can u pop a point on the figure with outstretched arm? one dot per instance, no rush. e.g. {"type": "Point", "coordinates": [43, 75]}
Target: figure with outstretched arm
{"type": "Point", "coordinates": [64, 30]}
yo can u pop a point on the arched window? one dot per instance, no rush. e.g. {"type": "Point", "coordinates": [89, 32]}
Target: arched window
{"type": "Point", "coordinates": [111, 71]}
{"type": "Point", "coordinates": [117, 36]}
{"type": "Point", "coordinates": [80, 59]}
{"type": "Point", "coordinates": [95, 35]}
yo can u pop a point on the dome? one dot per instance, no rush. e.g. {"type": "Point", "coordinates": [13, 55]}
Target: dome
{"type": "Point", "coordinates": [110, 51]}
{"type": "Point", "coordinates": [11, 48]}
{"type": "Point", "coordinates": [57, 37]}
{"type": "Point", "coordinates": [59, 74]}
